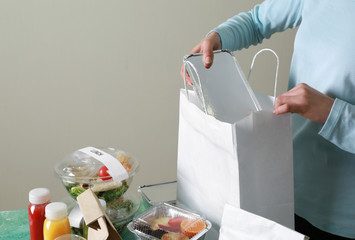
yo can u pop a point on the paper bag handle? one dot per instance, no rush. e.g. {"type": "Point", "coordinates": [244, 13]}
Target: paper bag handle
{"type": "Point", "coordinates": [277, 68]}
{"type": "Point", "coordinates": [198, 90]}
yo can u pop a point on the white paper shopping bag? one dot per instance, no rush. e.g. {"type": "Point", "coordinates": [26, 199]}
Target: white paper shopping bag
{"type": "Point", "coordinates": [247, 163]}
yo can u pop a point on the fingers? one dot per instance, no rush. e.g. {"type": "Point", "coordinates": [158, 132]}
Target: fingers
{"type": "Point", "coordinates": [285, 104]}
{"type": "Point", "coordinates": [305, 101]}
{"type": "Point", "coordinates": [282, 100]}
{"type": "Point", "coordinates": [206, 47]}
{"type": "Point", "coordinates": [211, 42]}
{"type": "Point", "coordinates": [196, 49]}
{"type": "Point", "coordinates": [292, 99]}
{"type": "Point", "coordinates": [207, 51]}
{"type": "Point", "coordinates": [285, 108]}
{"type": "Point", "coordinates": [182, 74]}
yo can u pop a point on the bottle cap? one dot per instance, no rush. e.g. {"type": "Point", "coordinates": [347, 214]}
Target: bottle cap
{"type": "Point", "coordinates": [56, 211]}
{"type": "Point", "coordinates": [39, 196]}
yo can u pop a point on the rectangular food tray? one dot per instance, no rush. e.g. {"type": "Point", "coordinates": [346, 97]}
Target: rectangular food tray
{"type": "Point", "coordinates": [142, 228]}
{"type": "Point", "coordinates": [154, 194]}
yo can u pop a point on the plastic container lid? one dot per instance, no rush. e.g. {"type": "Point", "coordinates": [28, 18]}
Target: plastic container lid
{"type": "Point", "coordinates": [56, 211]}
{"type": "Point", "coordinates": [165, 219]}
{"type": "Point", "coordinates": [80, 167]}
{"type": "Point", "coordinates": [159, 193]}
{"type": "Point", "coordinates": [39, 196]}
{"type": "Point", "coordinates": [103, 203]}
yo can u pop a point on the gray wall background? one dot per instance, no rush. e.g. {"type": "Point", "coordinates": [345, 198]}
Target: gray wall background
{"type": "Point", "coordinates": [103, 73]}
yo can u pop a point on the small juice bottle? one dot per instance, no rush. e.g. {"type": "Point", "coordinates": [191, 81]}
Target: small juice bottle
{"type": "Point", "coordinates": [39, 198]}
{"type": "Point", "coordinates": [57, 222]}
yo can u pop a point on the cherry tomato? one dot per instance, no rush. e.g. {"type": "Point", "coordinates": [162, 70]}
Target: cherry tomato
{"type": "Point", "coordinates": [103, 174]}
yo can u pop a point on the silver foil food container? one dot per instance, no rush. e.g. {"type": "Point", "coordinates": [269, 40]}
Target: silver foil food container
{"type": "Point", "coordinates": [155, 194]}
{"type": "Point", "coordinates": [145, 225]}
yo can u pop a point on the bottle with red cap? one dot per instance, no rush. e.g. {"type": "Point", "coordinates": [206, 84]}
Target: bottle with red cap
{"type": "Point", "coordinates": [39, 198]}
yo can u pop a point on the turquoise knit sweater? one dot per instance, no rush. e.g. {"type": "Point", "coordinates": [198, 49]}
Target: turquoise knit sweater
{"type": "Point", "coordinates": [324, 58]}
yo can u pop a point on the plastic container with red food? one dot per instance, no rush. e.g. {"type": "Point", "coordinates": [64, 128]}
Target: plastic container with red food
{"type": "Point", "coordinates": [165, 221]}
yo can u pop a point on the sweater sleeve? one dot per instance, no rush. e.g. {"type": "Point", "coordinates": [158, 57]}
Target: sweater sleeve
{"type": "Point", "coordinates": [340, 126]}
{"type": "Point", "coordinates": [261, 22]}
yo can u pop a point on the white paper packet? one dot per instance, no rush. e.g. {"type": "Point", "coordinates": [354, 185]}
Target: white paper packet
{"type": "Point", "coordinates": [240, 224]}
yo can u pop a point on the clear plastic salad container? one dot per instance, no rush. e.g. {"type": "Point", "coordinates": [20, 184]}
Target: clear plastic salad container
{"type": "Point", "coordinates": [122, 211]}
{"type": "Point", "coordinates": [80, 171]}
{"type": "Point", "coordinates": [165, 221]}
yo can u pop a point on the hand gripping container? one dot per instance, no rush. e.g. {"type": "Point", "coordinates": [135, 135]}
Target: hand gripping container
{"type": "Point", "coordinates": [164, 220]}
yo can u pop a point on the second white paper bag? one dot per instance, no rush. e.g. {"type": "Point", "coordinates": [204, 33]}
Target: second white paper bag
{"type": "Point", "coordinates": [240, 224]}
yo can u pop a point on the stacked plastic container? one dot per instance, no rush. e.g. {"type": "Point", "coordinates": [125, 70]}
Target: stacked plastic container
{"type": "Point", "coordinates": [80, 171]}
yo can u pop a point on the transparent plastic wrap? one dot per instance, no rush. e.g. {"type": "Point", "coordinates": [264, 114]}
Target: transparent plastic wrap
{"type": "Point", "coordinates": [165, 221]}
{"type": "Point", "coordinates": [122, 211]}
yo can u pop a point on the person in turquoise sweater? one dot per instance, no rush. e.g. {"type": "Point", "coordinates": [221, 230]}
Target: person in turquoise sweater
{"type": "Point", "coordinates": [322, 97]}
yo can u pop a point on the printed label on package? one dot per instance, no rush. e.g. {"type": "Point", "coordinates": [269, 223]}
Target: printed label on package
{"type": "Point", "coordinates": [115, 168]}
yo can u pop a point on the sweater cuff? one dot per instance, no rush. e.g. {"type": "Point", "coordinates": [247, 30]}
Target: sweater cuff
{"type": "Point", "coordinates": [222, 35]}
{"type": "Point", "coordinates": [333, 118]}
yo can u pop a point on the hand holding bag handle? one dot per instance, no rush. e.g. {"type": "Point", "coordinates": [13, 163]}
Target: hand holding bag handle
{"type": "Point", "coordinates": [197, 85]}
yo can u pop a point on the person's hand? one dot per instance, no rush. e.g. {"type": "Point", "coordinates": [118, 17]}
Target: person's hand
{"type": "Point", "coordinates": [305, 101]}
{"type": "Point", "coordinates": [210, 43]}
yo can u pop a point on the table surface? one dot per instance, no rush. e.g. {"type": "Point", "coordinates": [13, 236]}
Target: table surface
{"type": "Point", "coordinates": [14, 225]}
